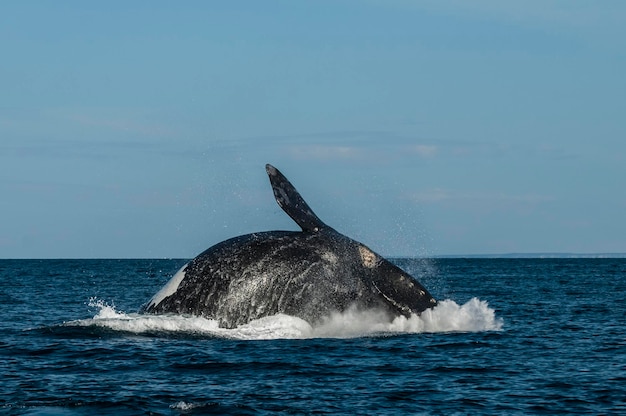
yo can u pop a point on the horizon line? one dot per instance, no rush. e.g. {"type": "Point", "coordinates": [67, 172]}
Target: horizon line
{"type": "Point", "coordinates": [521, 255]}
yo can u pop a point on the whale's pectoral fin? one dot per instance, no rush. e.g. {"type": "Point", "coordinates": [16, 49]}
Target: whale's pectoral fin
{"type": "Point", "coordinates": [291, 202]}
{"type": "Point", "coordinates": [399, 289]}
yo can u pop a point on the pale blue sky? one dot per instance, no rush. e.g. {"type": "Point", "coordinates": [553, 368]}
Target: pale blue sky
{"type": "Point", "coordinates": [141, 129]}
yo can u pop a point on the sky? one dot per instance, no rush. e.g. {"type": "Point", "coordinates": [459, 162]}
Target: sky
{"type": "Point", "coordinates": [420, 128]}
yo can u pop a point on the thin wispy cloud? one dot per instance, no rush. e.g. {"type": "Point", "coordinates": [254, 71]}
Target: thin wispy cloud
{"type": "Point", "coordinates": [367, 152]}
{"type": "Point", "coordinates": [328, 152]}
{"type": "Point", "coordinates": [426, 150]}
{"type": "Point", "coordinates": [388, 147]}
{"type": "Point", "coordinates": [128, 124]}
{"type": "Point", "coordinates": [90, 123]}
{"type": "Point", "coordinates": [434, 196]}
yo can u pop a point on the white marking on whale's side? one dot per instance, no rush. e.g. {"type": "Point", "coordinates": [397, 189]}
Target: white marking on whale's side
{"type": "Point", "coordinates": [368, 257]}
{"type": "Point", "coordinates": [170, 287]}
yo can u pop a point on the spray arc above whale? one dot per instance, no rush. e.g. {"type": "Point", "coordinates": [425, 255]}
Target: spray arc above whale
{"type": "Point", "coordinates": [308, 274]}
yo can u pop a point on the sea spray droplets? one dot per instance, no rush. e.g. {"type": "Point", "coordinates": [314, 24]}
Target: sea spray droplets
{"type": "Point", "coordinates": [474, 316]}
{"type": "Point", "coordinates": [352, 323]}
{"type": "Point", "coordinates": [447, 316]}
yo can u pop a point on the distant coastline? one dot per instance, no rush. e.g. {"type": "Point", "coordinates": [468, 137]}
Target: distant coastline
{"type": "Point", "coordinates": [534, 256]}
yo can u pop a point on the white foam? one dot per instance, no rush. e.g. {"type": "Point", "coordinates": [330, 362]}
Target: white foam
{"type": "Point", "coordinates": [473, 316]}
{"type": "Point", "coordinates": [109, 317]}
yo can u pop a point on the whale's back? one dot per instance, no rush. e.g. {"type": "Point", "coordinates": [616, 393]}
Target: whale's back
{"type": "Point", "coordinates": [301, 274]}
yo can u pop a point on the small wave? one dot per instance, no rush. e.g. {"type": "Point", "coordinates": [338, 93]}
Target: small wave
{"type": "Point", "coordinates": [186, 407]}
{"type": "Point", "coordinates": [183, 407]}
{"type": "Point", "coordinates": [447, 316]}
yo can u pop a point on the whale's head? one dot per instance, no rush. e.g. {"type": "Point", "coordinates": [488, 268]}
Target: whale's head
{"type": "Point", "coordinates": [401, 291]}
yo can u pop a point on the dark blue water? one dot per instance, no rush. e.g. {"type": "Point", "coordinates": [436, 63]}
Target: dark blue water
{"type": "Point", "coordinates": [551, 340]}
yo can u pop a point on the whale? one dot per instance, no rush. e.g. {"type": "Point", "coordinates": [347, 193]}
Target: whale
{"type": "Point", "coordinates": [309, 274]}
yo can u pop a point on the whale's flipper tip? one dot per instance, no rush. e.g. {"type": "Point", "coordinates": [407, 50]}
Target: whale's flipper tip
{"type": "Point", "coordinates": [292, 202]}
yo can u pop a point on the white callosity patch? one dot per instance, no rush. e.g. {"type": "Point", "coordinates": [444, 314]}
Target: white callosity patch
{"type": "Point", "coordinates": [447, 316]}
{"type": "Point", "coordinates": [170, 287]}
{"type": "Point", "coordinates": [368, 257]}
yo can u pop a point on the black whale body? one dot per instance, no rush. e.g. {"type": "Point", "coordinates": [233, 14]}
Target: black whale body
{"type": "Point", "coordinates": [307, 274]}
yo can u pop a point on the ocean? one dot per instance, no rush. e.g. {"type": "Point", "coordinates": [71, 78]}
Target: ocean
{"type": "Point", "coordinates": [509, 336]}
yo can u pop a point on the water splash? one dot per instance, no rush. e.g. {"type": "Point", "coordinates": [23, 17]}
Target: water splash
{"type": "Point", "coordinates": [473, 316]}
